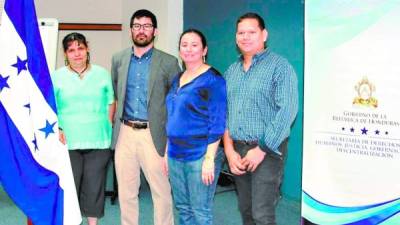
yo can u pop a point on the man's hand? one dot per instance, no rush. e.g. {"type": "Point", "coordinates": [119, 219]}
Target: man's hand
{"type": "Point", "coordinates": [235, 163]}
{"type": "Point", "coordinates": [253, 158]}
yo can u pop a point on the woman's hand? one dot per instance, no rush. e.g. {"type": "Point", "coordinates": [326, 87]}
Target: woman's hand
{"type": "Point", "coordinates": [207, 170]}
{"type": "Point", "coordinates": [61, 137]}
{"type": "Point", "coordinates": [165, 164]}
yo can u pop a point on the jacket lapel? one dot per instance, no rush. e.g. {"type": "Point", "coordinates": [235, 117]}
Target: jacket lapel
{"type": "Point", "coordinates": [125, 61]}
{"type": "Point", "coordinates": [154, 71]}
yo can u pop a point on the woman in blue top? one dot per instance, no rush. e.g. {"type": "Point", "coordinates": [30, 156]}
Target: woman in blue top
{"type": "Point", "coordinates": [196, 105]}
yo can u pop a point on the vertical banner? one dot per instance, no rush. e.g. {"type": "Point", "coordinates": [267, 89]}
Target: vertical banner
{"type": "Point", "coordinates": [48, 28]}
{"type": "Point", "coordinates": [351, 158]}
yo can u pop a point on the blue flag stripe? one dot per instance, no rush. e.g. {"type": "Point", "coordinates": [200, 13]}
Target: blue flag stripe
{"type": "Point", "coordinates": [31, 184]}
{"type": "Point", "coordinates": [23, 16]}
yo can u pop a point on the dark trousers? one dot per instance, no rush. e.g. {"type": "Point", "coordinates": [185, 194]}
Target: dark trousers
{"type": "Point", "coordinates": [89, 168]}
{"type": "Point", "coordinates": [259, 191]}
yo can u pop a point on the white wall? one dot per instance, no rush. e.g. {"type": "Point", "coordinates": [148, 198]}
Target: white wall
{"type": "Point", "coordinates": [101, 43]}
{"type": "Point", "coordinates": [169, 15]}
{"type": "Point", "coordinates": [105, 43]}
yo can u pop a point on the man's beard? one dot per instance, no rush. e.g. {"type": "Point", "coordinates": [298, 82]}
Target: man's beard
{"type": "Point", "coordinates": [143, 42]}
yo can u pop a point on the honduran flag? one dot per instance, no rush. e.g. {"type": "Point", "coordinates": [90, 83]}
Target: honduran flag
{"type": "Point", "coordinates": [34, 166]}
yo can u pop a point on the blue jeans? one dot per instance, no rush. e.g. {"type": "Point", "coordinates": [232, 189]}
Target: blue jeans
{"type": "Point", "coordinates": [193, 199]}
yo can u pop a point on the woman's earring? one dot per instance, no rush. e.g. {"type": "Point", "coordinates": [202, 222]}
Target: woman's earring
{"type": "Point", "coordinates": [88, 58]}
{"type": "Point", "coordinates": [66, 62]}
{"type": "Point", "coordinates": [204, 59]}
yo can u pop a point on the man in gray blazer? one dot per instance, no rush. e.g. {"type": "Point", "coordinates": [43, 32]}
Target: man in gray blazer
{"type": "Point", "coordinates": [141, 78]}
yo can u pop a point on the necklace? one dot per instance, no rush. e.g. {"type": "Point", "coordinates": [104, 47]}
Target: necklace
{"type": "Point", "coordinates": [190, 75]}
{"type": "Point", "coordinates": [193, 71]}
{"type": "Point", "coordinates": [80, 74]}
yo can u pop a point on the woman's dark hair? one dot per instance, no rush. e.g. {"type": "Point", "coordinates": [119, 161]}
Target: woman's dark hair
{"type": "Point", "coordinates": [74, 37]}
{"type": "Point", "coordinates": [191, 30]}
{"type": "Point", "coordinates": [251, 15]}
{"type": "Point", "coordinates": [144, 13]}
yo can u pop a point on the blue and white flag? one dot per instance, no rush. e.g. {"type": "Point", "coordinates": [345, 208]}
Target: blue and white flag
{"type": "Point", "coordinates": [35, 169]}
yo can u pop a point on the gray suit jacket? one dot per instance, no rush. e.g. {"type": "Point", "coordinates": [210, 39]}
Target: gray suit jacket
{"type": "Point", "coordinates": [163, 68]}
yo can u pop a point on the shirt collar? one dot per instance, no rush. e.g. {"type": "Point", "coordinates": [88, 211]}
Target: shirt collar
{"type": "Point", "coordinates": [146, 55]}
{"type": "Point", "coordinates": [257, 56]}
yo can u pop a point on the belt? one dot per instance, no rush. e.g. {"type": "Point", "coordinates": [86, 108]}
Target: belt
{"type": "Point", "coordinates": [136, 124]}
{"type": "Point", "coordinates": [242, 142]}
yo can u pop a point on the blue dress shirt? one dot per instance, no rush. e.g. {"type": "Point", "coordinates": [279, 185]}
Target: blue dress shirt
{"type": "Point", "coordinates": [135, 107]}
{"type": "Point", "coordinates": [196, 115]}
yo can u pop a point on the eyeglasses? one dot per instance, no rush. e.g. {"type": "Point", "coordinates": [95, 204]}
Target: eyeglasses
{"type": "Point", "coordinates": [146, 26]}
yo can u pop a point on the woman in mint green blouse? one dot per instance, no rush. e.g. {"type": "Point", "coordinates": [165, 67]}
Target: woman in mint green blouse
{"type": "Point", "coordinates": [85, 108]}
